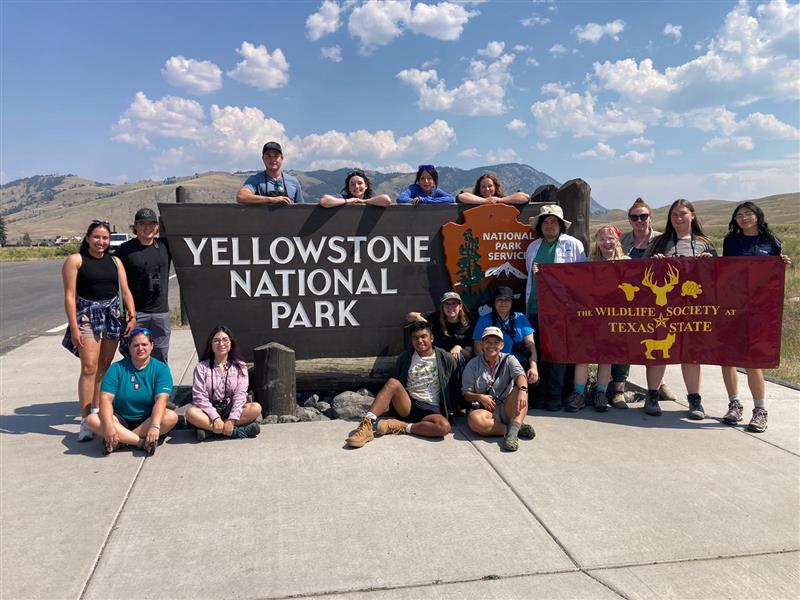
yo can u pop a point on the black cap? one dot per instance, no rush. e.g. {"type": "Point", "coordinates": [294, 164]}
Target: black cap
{"type": "Point", "coordinates": [503, 292]}
{"type": "Point", "coordinates": [144, 215]}
{"type": "Point", "coordinates": [272, 146]}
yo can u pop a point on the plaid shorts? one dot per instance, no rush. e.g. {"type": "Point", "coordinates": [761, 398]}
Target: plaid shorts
{"type": "Point", "coordinates": [103, 320]}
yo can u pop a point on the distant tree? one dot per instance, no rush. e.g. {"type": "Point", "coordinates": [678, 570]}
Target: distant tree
{"type": "Point", "coordinates": [26, 239]}
{"type": "Point", "coordinates": [2, 231]}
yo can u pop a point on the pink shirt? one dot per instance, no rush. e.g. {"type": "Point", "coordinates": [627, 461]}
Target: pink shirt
{"type": "Point", "coordinates": [234, 391]}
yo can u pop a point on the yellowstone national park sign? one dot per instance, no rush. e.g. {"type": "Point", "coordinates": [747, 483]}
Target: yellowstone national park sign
{"type": "Point", "coordinates": [327, 282]}
{"type": "Point", "coordinates": [673, 310]}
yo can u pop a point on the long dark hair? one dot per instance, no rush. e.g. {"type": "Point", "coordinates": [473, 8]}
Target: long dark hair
{"type": "Point", "coordinates": [498, 187]}
{"type": "Point", "coordinates": [234, 354]}
{"type": "Point", "coordinates": [346, 189]}
{"type": "Point", "coordinates": [84, 249]}
{"type": "Point", "coordinates": [660, 243]}
{"type": "Point", "coordinates": [763, 228]}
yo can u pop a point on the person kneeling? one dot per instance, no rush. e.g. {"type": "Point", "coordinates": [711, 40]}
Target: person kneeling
{"type": "Point", "coordinates": [496, 383]}
{"type": "Point", "coordinates": [420, 393]}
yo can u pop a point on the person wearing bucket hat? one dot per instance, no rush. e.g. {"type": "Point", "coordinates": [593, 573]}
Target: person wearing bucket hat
{"type": "Point", "coordinates": [518, 338]}
{"type": "Point", "coordinates": [496, 384]}
{"type": "Point", "coordinates": [552, 245]}
{"type": "Point", "coordinates": [451, 326]}
{"type": "Point", "coordinates": [271, 186]}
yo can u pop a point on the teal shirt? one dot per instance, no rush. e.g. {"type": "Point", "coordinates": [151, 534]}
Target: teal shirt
{"type": "Point", "coordinates": [545, 255]}
{"type": "Point", "coordinates": [135, 390]}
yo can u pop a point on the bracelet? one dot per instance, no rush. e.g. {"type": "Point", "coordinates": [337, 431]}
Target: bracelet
{"type": "Point", "coordinates": [522, 388]}
{"type": "Point", "coordinates": [155, 427]}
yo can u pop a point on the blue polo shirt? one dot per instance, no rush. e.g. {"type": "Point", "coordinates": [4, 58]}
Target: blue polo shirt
{"type": "Point", "coordinates": [135, 390]}
{"type": "Point", "coordinates": [287, 185]}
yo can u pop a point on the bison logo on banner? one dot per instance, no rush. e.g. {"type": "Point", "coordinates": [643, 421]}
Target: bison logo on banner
{"type": "Point", "coordinates": [675, 310]}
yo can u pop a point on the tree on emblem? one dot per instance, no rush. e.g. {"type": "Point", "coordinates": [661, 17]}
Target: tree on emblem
{"type": "Point", "coordinates": [469, 268]}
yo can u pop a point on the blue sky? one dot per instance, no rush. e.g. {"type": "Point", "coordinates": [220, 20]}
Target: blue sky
{"type": "Point", "coordinates": [653, 99]}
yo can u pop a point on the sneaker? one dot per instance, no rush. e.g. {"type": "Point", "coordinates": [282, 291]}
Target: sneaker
{"type": "Point", "coordinates": [526, 432]}
{"type": "Point", "coordinates": [696, 411]}
{"type": "Point", "coordinates": [666, 394]}
{"type": "Point", "coordinates": [734, 414]}
{"type": "Point", "coordinates": [510, 444]}
{"type": "Point", "coordinates": [250, 430]}
{"type": "Point", "coordinates": [362, 434]}
{"type": "Point", "coordinates": [600, 402]}
{"type": "Point", "coordinates": [758, 424]}
{"type": "Point", "coordinates": [651, 406]}
{"type": "Point", "coordinates": [201, 434]}
{"type": "Point", "coordinates": [618, 400]}
{"type": "Point", "coordinates": [85, 434]}
{"type": "Point", "coordinates": [391, 427]}
{"type": "Point", "coordinates": [575, 402]}
{"type": "Point", "coordinates": [553, 403]}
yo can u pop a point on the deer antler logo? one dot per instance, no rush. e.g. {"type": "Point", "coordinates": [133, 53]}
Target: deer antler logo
{"type": "Point", "coordinates": [661, 291]}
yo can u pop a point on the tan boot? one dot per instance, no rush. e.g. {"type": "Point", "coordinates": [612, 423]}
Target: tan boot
{"type": "Point", "coordinates": [391, 426]}
{"type": "Point", "coordinates": [362, 434]}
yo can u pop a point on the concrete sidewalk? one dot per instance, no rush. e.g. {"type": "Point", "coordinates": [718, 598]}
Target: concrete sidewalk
{"type": "Point", "coordinates": [614, 505]}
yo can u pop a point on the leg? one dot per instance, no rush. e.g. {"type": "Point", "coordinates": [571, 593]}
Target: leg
{"type": "Point", "coordinates": [431, 426]}
{"type": "Point", "coordinates": [159, 325]}
{"type": "Point", "coordinates": [250, 412]}
{"type": "Point", "coordinates": [392, 393]}
{"type": "Point", "coordinates": [167, 423]}
{"type": "Point", "coordinates": [510, 410]}
{"type": "Point", "coordinates": [126, 436]}
{"type": "Point", "coordinates": [108, 348]}
{"type": "Point", "coordinates": [198, 418]}
{"type": "Point", "coordinates": [603, 374]}
{"type": "Point", "coordinates": [691, 378]}
{"type": "Point", "coordinates": [89, 355]}
{"type": "Point", "coordinates": [655, 375]}
{"type": "Point", "coordinates": [731, 380]}
{"type": "Point", "coordinates": [755, 381]}
{"type": "Point", "coordinates": [482, 422]}
{"type": "Point", "coordinates": [581, 375]}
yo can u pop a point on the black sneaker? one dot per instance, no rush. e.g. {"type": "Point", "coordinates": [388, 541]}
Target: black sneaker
{"type": "Point", "coordinates": [651, 406]}
{"type": "Point", "coordinates": [696, 411]}
{"type": "Point", "coordinates": [575, 402]}
{"type": "Point", "coordinates": [734, 414]}
{"type": "Point", "coordinates": [250, 430]}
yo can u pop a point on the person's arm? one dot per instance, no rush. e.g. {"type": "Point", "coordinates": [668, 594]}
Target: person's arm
{"type": "Point", "coordinates": [521, 383]}
{"type": "Point", "coordinates": [381, 200]}
{"type": "Point", "coordinates": [246, 196]}
{"type": "Point", "coordinates": [69, 275]}
{"type": "Point", "coordinates": [470, 198]}
{"type": "Point", "coordinates": [408, 194]}
{"type": "Point", "coordinates": [127, 298]}
{"type": "Point", "coordinates": [468, 380]}
{"type": "Point", "coordinates": [516, 198]}
{"type": "Point", "coordinates": [328, 201]}
{"type": "Point", "coordinates": [298, 195]}
{"type": "Point", "coordinates": [533, 371]}
{"type": "Point", "coordinates": [412, 317]}
{"type": "Point", "coordinates": [200, 392]}
{"type": "Point", "coordinates": [437, 197]}
{"type": "Point", "coordinates": [239, 392]}
{"type": "Point", "coordinates": [156, 416]}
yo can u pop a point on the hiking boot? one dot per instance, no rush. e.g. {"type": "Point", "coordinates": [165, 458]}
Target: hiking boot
{"type": "Point", "coordinates": [362, 434]}
{"type": "Point", "coordinates": [575, 402]}
{"type": "Point", "coordinates": [618, 400]}
{"type": "Point", "coordinates": [696, 411]}
{"type": "Point", "coordinates": [250, 430]}
{"type": "Point", "coordinates": [85, 434]}
{"type": "Point", "coordinates": [651, 406]}
{"type": "Point", "coordinates": [391, 427]}
{"type": "Point", "coordinates": [201, 434]}
{"type": "Point", "coordinates": [510, 444]}
{"type": "Point", "coordinates": [666, 394]}
{"type": "Point", "coordinates": [600, 402]}
{"type": "Point", "coordinates": [553, 403]}
{"type": "Point", "coordinates": [758, 424]}
{"type": "Point", "coordinates": [526, 432]}
{"type": "Point", "coordinates": [734, 414]}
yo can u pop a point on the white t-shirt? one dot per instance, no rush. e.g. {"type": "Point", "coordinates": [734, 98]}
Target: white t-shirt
{"type": "Point", "coordinates": [423, 379]}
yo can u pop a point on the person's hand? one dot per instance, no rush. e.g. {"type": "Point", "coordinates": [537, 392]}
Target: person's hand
{"type": "Point", "coordinates": [217, 425]}
{"type": "Point", "coordinates": [533, 373]}
{"type": "Point", "coordinates": [152, 435]}
{"type": "Point", "coordinates": [77, 340]}
{"type": "Point", "coordinates": [786, 260]}
{"type": "Point", "coordinates": [415, 201]}
{"type": "Point", "coordinates": [535, 267]}
{"type": "Point", "coordinates": [110, 436]}
{"type": "Point", "coordinates": [658, 256]}
{"type": "Point", "coordinates": [487, 401]}
{"type": "Point", "coordinates": [227, 428]}
{"type": "Point", "coordinates": [706, 254]}
{"type": "Point", "coordinates": [131, 326]}
{"type": "Point", "coordinates": [281, 200]}
{"type": "Point", "coordinates": [519, 399]}
{"type": "Point", "coordinates": [455, 351]}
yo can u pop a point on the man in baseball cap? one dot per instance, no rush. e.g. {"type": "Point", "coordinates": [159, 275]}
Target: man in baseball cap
{"type": "Point", "coordinates": [272, 186]}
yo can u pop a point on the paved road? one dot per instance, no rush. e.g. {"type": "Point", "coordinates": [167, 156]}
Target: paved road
{"type": "Point", "coordinates": [32, 300]}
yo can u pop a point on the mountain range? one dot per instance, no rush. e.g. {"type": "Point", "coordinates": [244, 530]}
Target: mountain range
{"type": "Point", "coordinates": [45, 206]}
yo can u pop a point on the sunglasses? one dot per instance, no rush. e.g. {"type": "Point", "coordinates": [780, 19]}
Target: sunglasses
{"type": "Point", "coordinates": [142, 330]}
{"type": "Point", "coordinates": [639, 217]}
{"type": "Point", "coordinates": [99, 222]}
{"type": "Point", "coordinates": [426, 168]}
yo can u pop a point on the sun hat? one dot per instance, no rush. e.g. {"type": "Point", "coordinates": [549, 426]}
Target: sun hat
{"type": "Point", "coordinates": [546, 211]}
{"type": "Point", "coordinates": [495, 331]}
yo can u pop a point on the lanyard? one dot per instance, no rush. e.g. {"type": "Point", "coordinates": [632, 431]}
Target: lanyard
{"type": "Point", "coordinates": [225, 385]}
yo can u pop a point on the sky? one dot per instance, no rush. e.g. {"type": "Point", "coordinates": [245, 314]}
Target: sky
{"type": "Point", "coordinates": [654, 99]}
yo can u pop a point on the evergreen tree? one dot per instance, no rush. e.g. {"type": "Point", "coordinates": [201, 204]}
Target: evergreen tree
{"type": "Point", "coordinates": [3, 234]}
{"type": "Point", "coordinates": [26, 239]}
{"type": "Point", "coordinates": [469, 269]}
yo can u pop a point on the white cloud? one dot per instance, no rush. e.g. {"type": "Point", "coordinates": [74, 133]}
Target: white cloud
{"type": "Point", "coordinates": [594, 32]}
{"type": "Point", "coordinates": [767, 126]}
{"type": "Point", "coordinates": [532, 62]}
{"type": "Point", "coordinates": [640, 141]}
{"type": "Point", "coordinates": [534, 21]}
{"type": "Point", "coordinates": [642, 81]}
{"type": "Point", "coordinates": [673, 31]}
{"type": "Point", "coordinates": [470, 153]}
{"type": "Point", "coordinates": [518, 127]}
{"type": "Point", "coordinates": [639, 157]}
{"type": "Point", "coordinates": [482, 92]}
{"type": "Point", "coordinates": [492, 50]}
{"type": "Point", "coordinates": [444, 21]}
{"type": "Point", "coordinates": [239, 133]}
{"type": "Point", "coordinates": [722, 120]}
{"type": "Point", "coordinates": [674, 152]}
{"type": "Point", "coordinates": [169, 117]}
{"type": "Point", "coordinates": [521, 48]}
{"type": "Point", "coordinates": [501, 155]}
{"type": "Point", "coordinates": [542, 146]}
{"type": "Point", "coordinates": [557, 50]}
{"type": "Point", "coordinates": [260, 69]}
{"type": "Point", "coordinates": [324, 21]}
{"type": "Point", "coordinates": [332, 53]}
{"type": "Point", "coordinates": [732, 143]}
{"type": "Point", "coordinates": [196, 76]}
{"type": "Point", "coordinates": [170, 159]}
{"type": "Point", "coordinates": [600, 150]}
{"type": "Point", "coordinates": [789, 161]}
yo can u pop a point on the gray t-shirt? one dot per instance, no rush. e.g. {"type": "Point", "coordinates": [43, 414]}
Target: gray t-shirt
{"type": "Point", "coordinates": [423, 379]}
{"type": "Point", "coordinates": [480, 378]}
{"type": "Point", "coordinates": [693, 246]}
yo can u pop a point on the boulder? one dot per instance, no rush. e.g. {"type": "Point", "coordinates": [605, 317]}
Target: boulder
{"type": "Point", "coordinates": [288, 419]}
{"type": "Point", "coordinates": [351, 405]}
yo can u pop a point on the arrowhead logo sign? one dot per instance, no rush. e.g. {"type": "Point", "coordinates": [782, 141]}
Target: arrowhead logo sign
{"type": "Point", "coordinates": [486, 251]}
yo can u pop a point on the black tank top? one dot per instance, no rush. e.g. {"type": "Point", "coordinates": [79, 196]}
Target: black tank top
{"type": "Point", "coordinates": [97, 277]}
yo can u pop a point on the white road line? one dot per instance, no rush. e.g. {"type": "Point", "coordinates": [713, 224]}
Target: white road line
{"type": "Point", "coordinates": [57, 329]}
{"type": "Point", "coordinates": [173, 276]}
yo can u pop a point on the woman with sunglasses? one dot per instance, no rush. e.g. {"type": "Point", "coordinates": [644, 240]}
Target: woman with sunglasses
{"type": "Point", "coordinates": [133, 399]}
{"type": "Point", "coordinates": [683, 236]}
{"type": "Point", "coordinates": [424, 190]}
{"type": "Point", "coordinates": [94, 282]}
{"type": "Point", "coordinates": [357, 190]}
{"type": "Point", "coordinates": [219, 391]}
{"type": "Point", "coordinates": [749, 235]}
{"type": "Point", "coordinates": [489, 190]}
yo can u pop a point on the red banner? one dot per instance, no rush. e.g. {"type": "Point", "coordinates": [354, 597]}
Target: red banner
{"type": "Point", "coordinates": [674, 310]}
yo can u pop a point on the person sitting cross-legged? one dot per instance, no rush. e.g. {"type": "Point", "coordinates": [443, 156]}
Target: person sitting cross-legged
{"type": "Point", "coordinates": [420, 393]}
{"type": "Point", "coordinates": [497, 382]}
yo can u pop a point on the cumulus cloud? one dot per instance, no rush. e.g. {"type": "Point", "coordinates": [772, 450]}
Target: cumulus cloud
{"type": "Point", "coordinates": [518, 127]}
{"type": "Point", "coordinates": [492, 50]}
{"type": "Point", "coordinates": [673, 31]}
{"type": "Point", "coordinates": [630, 79]}
{"type": "Point", "coordinates": [732, 143]}
{"type": "Point", "coordinates": [238, 133]}
{"type": "Point", "coordinates": [171, 117]}
{"type": "Point", "coordinates": [724, 121]}
{"type": "Point", "coordinates": [532, 62]}
{"type": "Point", "coordinates": [332, 53]}
{"type": "Point", "coordinates": [639, 157]}
{"type": "Point", "coordinates": [534, 21]}
{"type": "Point", "coordinates": [260, 69]}
{"type": "Point", "coordinates": [640, 141]}
{"type": "Point", "coordinates": [470, 153]}
{"type": "Point", "coordinates": [521, 48]}
{"type": "Point", "coordinates": [557, 50]}
{"type": "Point", "coordinates": [195, 76]}
{"type": "Point", "coordinates": [600, 150]}
{"type": "Point", "coordinates": [501, 155]}
{"type": "Point", "coordinates": [324, 21]}
{"type": "Point", "coordinates": [594, 32]}
{"type": "Point", "coordinates": [542, 146]}
{"type": "Point", "coordinates": [674, 152]}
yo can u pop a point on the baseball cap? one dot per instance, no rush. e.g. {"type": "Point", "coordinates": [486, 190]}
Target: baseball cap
{"type": "Point", "coordinates": [144, 215]}
{"type": "Point", "coordinates": [272, 146]}
{"type": "Point", "coordinates": [450, 296]}
{"type": "Point", "coordinates": [495, 331]}
{"type": "Point", "coordinates": [503, 292]}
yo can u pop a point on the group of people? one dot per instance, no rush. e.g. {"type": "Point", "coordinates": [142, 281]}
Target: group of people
{"type": "Point", "coordinates": [485, 368]}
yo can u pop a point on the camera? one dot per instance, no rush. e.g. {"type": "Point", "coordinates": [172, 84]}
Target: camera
{"type": "Point", "coordinates": [275, 193]}
{"type": "Point", "coordinates": [154, 282]}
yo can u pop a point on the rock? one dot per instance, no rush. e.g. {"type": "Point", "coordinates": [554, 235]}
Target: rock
{"type": "Point", "coordinates": [311, 401]}
{"type": "Point", "coordinates": [322, 406]}
{"type": "Point", "coordinates": [310, 414]}
{"type": "Point", "coordinates": [270, 419]}
{"type": "Point", "coordinates": [288, 419]}
{"type": "Point", "coordinates": [365, 392]}
{"type": "Point", "coordinates": [351, 405]}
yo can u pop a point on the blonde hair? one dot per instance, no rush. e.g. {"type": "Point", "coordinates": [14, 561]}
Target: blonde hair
{"type": "Point", "coordinates": [596, 253]}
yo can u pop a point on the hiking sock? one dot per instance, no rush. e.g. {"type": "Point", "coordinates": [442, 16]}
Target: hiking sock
{"type": "Point", "coordinates": [513, 429]}
{"type": "Point", "coordinates": [93, 411]}
{"type": "Point", "coordinates": [734, 398]}
{"type": "Point", "coordinates": [759, 403]}
{"type": "Point", "coordinates": [372, 416]}
{"type": "Point", "coordinates": [601, 387]}
{"type": "Point", "coordinates": [580, 388]}
{"type": "Point", "coordinates": [408, 428]}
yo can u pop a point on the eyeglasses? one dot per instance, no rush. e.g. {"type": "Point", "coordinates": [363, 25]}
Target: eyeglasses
{"type": "Point", "coordinates": [140, 330]}
{"type": "Point", "coordinates": [639, 217]}
{"type": "Point", "coordinates": [745, 215]}
{"type": "Point", "coordinates": [99, 222]}
{"type": "Point", "coordinates": [426, 168]}
{"type": "Point", "coordinates": [221, 341]}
